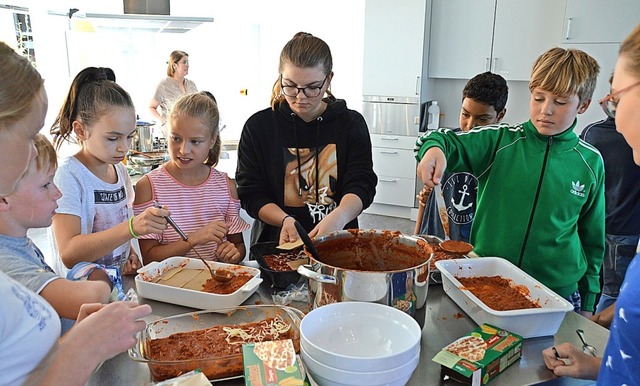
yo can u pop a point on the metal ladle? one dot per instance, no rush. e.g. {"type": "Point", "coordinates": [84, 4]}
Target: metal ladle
{"type": "Point", "coordinates": [586, 348]}
{"type": "Point", "coordinates": [219, 274]}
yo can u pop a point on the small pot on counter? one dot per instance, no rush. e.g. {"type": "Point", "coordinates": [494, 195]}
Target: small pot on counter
{"type": "Point", "coordinates": [369, 265]}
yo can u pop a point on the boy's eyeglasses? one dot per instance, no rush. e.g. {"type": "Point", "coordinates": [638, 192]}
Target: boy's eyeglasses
{"type": "Point", "coordinates": [309, 91]}
{"type": "Point", "coordinates": [610, 102]}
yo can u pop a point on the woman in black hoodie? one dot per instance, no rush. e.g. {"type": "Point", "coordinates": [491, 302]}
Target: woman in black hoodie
{"type": "Point", "coordinates": [307, 157]}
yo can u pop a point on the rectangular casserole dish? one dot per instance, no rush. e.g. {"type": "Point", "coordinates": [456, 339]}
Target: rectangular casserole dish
{"type": "Point", "coordinates": [528, 323]}
{"type": "Point", "coordinates": [188, 297]}
{"type": "Point", "coordinates": [215, 368]}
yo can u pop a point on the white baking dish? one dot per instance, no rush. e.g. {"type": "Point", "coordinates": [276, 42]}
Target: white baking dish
{"type": "Point", "coordinates": [528, 323]}
{"type": "Point", "coordinates": [188, 297]}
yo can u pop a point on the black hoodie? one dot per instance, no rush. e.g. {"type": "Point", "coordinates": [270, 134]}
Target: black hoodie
{"type": "Point", "coordinates": [280, 158]}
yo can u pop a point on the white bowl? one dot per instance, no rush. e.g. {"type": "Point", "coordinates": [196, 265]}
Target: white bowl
{"type": "Point", "coordinates": [331, 376]}
{"type": "Point", "coordinates": [360, 336]}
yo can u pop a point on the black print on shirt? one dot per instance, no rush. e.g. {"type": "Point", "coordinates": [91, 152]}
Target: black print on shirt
{"type": "Point", "coordinates": [109, 196]}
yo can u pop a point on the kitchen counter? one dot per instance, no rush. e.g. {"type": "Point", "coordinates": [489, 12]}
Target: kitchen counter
{"type": "Point", "coordinates": [443, 322]}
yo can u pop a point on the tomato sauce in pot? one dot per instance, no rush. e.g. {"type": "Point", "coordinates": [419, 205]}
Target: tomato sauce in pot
{"type": "Point", "coordinates": [379, 254]}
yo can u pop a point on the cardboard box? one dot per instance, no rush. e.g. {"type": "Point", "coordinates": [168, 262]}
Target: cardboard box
{"type": "Point", "coordinates": [480, 356]}
{"type": "Point", "coordinates": [272, 363]}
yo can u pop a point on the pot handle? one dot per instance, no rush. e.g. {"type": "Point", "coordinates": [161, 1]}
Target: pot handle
{"type": "Point", "coordinates": [306, 271]}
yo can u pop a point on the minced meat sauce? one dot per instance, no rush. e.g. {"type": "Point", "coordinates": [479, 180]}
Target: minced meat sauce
{"type": "Point", "coordinates": [226, 287]}
{"type": "Point", "coordinates": [280, 261]}
{"type": "Point", "coordinates": [497, 293]}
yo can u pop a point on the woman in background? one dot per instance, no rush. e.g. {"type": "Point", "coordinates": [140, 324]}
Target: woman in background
{"type": "Point", "coordinates": [172, 87]}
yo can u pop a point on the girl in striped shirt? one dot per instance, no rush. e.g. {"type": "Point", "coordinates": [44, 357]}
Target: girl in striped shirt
{"type": "Point", "coordinates": [202, 200]}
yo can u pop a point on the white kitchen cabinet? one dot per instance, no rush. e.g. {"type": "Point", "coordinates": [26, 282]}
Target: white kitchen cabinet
{"type": "Point", "coordinates": [597, 21]}
{"type": "Point", "coordinates": [501, 36]}
{"type": "Point", "coordinates": [393, 47]}
{"type": "Point", "coordinates": [395, 166]}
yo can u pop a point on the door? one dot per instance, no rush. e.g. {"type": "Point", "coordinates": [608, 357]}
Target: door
{"type": "Point", "coordinates": [461, 38]}
{"type": "Point", "coordinates": [597, 21]}
{"type": "Point", "coordinates": [524, 29]}
{"type": "Point", "coordinates": [393, 47]}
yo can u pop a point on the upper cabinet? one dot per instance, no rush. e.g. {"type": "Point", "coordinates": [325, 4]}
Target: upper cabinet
{"type": "Point", "coordinates": [393, 47]}
{"type": "Point", "coordinates": [597, 21]}
{"type": "Point", "coordinates": [502, 36]}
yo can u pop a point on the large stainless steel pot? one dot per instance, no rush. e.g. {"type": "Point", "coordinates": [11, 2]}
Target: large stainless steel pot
{"type": "Point", "coordinates": [369, 265]}
{"type": "Point", "coordinates": [143, 138]}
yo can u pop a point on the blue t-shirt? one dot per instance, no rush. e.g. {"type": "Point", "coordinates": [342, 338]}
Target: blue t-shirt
{"type": "Point", "coordinates": [621, 359]}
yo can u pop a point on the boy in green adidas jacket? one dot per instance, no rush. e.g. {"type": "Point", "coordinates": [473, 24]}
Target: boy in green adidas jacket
{"type": "Point", "coordinates": [540, 188]}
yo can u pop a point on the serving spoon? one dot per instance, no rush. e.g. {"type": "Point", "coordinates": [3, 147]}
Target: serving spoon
{"type": "Point", "coordinates": [221, 275]}
{"type": "Point", "coordinates": [306, 240]}
{"type": "Point", "coordinates": [586, 348]}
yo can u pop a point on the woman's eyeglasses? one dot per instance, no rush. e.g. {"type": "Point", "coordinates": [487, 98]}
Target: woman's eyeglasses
{"type": "Point", "coordinates": [309, 91]}
{"type": "Point", "coordinates": [610, 102]}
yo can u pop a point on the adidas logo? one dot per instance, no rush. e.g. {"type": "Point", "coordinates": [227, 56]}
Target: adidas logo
{"type": "Point", "coordinates": [577, 188]}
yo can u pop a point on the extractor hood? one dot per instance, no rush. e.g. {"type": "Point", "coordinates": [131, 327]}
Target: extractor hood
{"type": "Point", "coordinates": [144, 22]}
{"type": "Point", "coordinates": [127, 22]}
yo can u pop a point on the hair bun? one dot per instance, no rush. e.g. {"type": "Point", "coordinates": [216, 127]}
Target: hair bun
{"type": "Point", "coordinates": [302, 34]}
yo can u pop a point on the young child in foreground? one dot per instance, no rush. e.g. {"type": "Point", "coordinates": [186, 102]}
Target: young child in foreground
{"type": "Point", "coordinates": [32, 205]}
{"type": "Point", "coordinates": [540, 188]}
{"type": "Point", "coordinates": [92, 226]}
{"type": "Point", "coordinates": [204, 201]}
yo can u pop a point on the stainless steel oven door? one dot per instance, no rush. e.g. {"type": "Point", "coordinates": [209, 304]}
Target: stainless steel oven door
{"type": "Point", "coordinates": [392, 115]}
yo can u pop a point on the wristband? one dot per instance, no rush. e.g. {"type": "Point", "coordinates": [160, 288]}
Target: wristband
{"type": "Point", "coordinates": [285, 217]}
{"type": "Point", "coordinates": [133, 234]}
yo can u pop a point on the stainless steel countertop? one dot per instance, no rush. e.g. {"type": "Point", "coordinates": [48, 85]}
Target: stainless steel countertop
{"type": "Point", "coordinates": [442, 324]}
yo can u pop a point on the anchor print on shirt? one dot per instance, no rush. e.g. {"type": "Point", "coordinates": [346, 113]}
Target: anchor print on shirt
{"type": "Point", "coordinates": [460, 191]}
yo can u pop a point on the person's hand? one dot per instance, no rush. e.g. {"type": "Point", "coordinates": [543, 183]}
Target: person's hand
{"type": "Point", "coordinates": [214, 231]}
{"type": "Point", "coordinates": [432, 167]}
{"type": "Point", "coordinates": [332, 222]}
{"type": "Point", "coordinates": [228, 253]}
{"type": "Point", "coordinates": [570, 361]}
{"type": "Point", "coordinates": [132, 265]}
{"type": "Point", "coordinates": [88, 309]}
{"type": "Point", "coordinates": [108, 329]}
{"type": "Point", "coordinates": [288, 233]}
{"type": "Point", "coordinates": [604, 317]}
{"type": "Point", "coordinates": [152, 220]}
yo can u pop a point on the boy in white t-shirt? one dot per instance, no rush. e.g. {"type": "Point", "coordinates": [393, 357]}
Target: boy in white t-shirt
{"type": "Point", "coordinates": [32, 205]}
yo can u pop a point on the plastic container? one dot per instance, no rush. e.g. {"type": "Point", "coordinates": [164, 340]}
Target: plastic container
{"type": "Point", "coordinates": [433, 111]}
{"type": "Point", "coordinates": [528, 323]}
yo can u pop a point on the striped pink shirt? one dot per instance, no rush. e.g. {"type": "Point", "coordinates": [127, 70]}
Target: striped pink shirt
{"type": "Point", "coordinates": [194, 206]}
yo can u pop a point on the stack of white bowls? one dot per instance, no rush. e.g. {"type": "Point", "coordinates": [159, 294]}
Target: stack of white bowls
{"type": "Point", "coordinates": [359, 343]}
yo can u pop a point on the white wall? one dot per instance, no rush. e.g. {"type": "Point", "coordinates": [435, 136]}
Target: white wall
{"type": "Point", "coordinates": [239, 50]}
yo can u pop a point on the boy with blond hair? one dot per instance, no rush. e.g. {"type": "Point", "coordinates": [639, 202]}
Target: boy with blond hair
{"type": "Point", "coordinates": [540, 188]}
{"type": "Point", "coordinates": [32, 205]}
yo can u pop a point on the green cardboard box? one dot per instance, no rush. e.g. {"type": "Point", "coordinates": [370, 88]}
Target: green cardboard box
{"type": "Point", "coordinates": [480, 356]}
{"type": "Point", "coordinates": [272, 363]}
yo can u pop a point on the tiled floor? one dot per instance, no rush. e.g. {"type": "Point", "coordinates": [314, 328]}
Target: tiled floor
{"type": "Point", "coordinates": [366, 221]}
